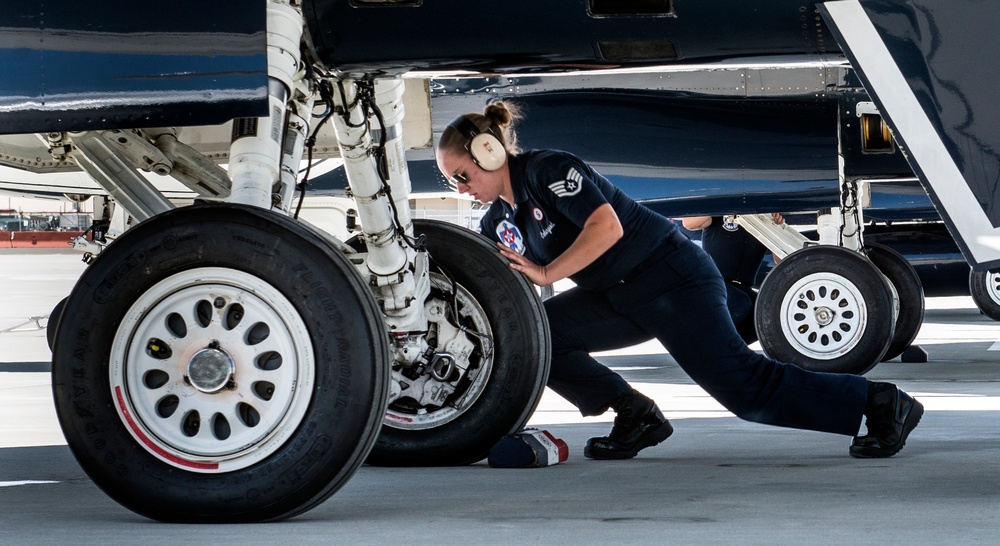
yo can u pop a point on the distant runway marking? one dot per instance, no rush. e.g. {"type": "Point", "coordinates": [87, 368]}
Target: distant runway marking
{"type": "Point", "coordinates": [995, 346]}
{"type": "Point", "coordinates": [24, 482]}
{"type": "Point", "coordinates": [938, 401]}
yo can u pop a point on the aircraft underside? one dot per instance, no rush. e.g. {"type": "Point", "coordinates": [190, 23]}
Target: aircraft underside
{"type": "Point", "coordinates": [226, 361]}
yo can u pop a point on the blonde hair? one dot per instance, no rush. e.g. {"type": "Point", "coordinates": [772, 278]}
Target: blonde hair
{"type": "Point", "coordinates": [499, 115]}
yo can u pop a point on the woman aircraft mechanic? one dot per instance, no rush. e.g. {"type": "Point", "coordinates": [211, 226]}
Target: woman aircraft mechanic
{"type": "Point", "coordinates": [637, 278]}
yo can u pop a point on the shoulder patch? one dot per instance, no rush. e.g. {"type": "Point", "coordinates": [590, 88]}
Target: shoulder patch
{"type": "Point", "coordinates": [568, 187]}
{"type": "Point", "coordinates": [729, 225]}
{"type": "Point", "coordinates": [510, 236]}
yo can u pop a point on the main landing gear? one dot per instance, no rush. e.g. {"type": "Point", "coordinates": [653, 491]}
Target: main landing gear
{"type": "Point", "coordinates": [225, 363]}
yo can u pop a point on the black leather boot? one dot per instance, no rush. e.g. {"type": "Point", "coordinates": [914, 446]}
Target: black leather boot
{"type": "Point", "coordinates": [890, 416]}
{"type": "Point", "coordinates": [638, 424]}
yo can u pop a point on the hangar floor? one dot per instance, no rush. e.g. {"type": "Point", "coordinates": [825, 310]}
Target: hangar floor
{"type": "Point", "coordinates": [717, 480]}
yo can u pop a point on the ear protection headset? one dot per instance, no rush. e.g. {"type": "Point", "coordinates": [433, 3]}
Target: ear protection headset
{"type": "Point", "coordinates": [484, 146]}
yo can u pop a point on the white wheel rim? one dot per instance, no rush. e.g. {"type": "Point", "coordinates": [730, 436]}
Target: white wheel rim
{"type": "Point", "coordinates": [425, 418]}
{"type": "Point", "coordinates": [823, 316]}
{"type": "Point", "coordinates": [993, 286]}
{"type": "Point", "coordinates": [233, 404]}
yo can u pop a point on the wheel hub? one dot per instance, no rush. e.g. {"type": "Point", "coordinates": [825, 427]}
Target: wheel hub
{"type": "Point", "coordinates": [189, 410]}
{"type": "Point", "coordinates": [824, 316]}
{"type": "Point", "coordinates": [210, 370]}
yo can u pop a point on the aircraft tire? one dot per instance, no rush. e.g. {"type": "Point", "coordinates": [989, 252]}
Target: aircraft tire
{"type": "Point", "coordinates": [53, 322]}
{"type": "Point", "coordinates": [220, 363]}
{"type": "Point", "coordinates": [825, 309]}
{"type": "Point", "coordinates": [984, 286]}
{"type": "Point", "coordinates": [908, 291]}
{"type": "Point", "coordinates": [505, 389]}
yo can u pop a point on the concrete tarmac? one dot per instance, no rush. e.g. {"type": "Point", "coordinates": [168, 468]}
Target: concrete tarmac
{"type": "Point", "coordinates": [717, 480]}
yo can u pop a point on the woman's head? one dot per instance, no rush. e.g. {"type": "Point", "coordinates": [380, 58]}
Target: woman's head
{"type": "Point", "coordinates": [472, 151]}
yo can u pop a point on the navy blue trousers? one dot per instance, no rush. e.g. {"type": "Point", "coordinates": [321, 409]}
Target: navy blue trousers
{"type": "Point", "coordinates": [679, 298]}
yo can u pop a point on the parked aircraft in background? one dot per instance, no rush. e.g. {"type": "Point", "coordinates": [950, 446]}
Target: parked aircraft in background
{"type": "Point", "coordinates": [225, 362]}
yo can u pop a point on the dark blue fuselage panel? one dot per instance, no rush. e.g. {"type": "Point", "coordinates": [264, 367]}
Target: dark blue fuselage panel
{"type": "Point", "coordinates": [71, 66]}
{"type": "Point", "coordinates": [518, 35]}
{"type": "Point", "coordinates": [926, 65]}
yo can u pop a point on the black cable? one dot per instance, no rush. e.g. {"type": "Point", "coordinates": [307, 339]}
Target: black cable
{"type": "Point", "coordinates": [326, 95]}
{"type": "Point", "coordinates": [382, 167]}
{"type": "Point", "coordinates": [304, 183]}
{"type": "Point", "coordinates": [347, 107]}
{"type": "Point", "coordinates": [366, 98]}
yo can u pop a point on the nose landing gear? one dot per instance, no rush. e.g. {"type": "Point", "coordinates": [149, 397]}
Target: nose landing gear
{"type": "Point", "coordinates": [825, 308]}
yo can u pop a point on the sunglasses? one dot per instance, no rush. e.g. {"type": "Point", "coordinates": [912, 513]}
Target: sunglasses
{"type": "Point", "coordinates": [459, 178]}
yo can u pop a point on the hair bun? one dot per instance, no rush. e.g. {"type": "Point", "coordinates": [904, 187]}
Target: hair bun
{"type": "Point", "coordinates": [498, 113]}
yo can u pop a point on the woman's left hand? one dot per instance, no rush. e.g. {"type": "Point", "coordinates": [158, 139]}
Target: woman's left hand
{"type": "Point", "coordinates": [535, 273]}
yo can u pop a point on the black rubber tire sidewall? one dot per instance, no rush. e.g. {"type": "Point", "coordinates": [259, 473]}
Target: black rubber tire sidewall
{"type": "Point", "coordinates": [910, 292]}
{"type": "Point", "coordinates": [348, 339]}
{"type": "Point", "coordinates": [53, 323]}
{"type": "Point", "coordinates": [520, 361]}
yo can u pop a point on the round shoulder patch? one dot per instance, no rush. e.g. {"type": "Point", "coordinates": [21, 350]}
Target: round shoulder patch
{"type": "Point", "coordinates": [537, 213]}
{"type": "Point", "coordinates": [510, 236]}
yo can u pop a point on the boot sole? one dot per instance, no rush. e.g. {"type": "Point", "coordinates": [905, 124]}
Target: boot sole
{"type": "Point", "coordinates": [912, 419]}
{"type": "Point", "coordinates": [652, 438]}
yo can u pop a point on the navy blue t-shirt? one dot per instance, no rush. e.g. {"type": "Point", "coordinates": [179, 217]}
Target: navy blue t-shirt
{"type": "Point", "coordinates": [555, 193]}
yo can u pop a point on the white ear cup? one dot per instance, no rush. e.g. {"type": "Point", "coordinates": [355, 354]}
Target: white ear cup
{"type": "Point", "coordinates": [487, 151]}
{"type": "Point", "coordinates": [484, 146]}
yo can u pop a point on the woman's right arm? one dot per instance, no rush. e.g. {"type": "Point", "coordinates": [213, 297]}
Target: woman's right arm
{"type": "Point", "coordinates": [696, 222]}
